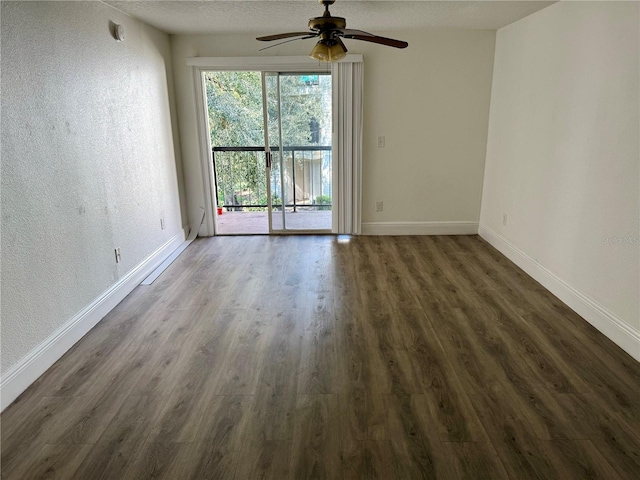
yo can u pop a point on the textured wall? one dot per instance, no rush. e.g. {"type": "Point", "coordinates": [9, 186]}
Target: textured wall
{"type": "Point", "coordinates": [563, 155]}
{"type": "Point", "coordinates": [88, 161]}
{"type": "Point", "coordinates": [430, 101]}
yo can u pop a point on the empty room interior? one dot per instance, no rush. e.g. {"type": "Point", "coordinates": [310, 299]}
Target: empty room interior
{"type": "Point", "coordinates": [317, 239]}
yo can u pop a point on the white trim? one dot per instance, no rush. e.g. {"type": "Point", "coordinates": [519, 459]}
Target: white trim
{"type": "Point", "coordinates": [278, 64]}
{"type": "Point", "coordinates": [619, 332]}
{"type": "Point", "coordinates": [420, 228]}
{"type": "Point", "coordinates": [38, 361]}
{"type": "Point", "coordinates": [176, 253]}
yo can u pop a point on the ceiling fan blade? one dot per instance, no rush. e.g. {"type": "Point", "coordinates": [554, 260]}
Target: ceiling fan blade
{"type": "Point", "coordinates": [342, 43]}
{"type": "Point", "coordinates": [352, 31]}
{"type": "Point", "coordinates": [280, 36]}
{"type": "Point", "coordinates": [287, 41]}
{"type": "Point", "coordinates": [390, 42]}
{"type": "Point", "coordinates": [370, 37]}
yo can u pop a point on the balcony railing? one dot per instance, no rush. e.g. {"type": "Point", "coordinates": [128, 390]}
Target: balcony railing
{"type": "Point", "coordinates": [258, 177]}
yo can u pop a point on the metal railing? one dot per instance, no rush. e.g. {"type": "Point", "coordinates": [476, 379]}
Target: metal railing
{"type": "Point", "coordinates": [292, 149]}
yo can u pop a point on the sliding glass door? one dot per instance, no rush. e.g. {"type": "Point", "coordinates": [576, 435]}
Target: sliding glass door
{"type": "Point", "coordinates": [271, 149]}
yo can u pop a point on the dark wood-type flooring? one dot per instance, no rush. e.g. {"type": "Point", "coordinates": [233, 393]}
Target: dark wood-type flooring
{"type": "Point", "coordinates": [307, 357]}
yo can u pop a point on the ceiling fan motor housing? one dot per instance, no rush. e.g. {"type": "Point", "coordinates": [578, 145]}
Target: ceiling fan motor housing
{"type": "Point", "coordinates": [322, 24]}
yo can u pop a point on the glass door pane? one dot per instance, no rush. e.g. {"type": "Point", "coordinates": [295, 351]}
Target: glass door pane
{"type": "Point", "coordinates": [299, 131]}
{"type": "Point", "coordinates": [234, 104]}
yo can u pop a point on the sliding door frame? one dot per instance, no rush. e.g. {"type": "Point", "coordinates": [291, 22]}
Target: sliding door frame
{"type": "Point", "coordinates": [200, 65]}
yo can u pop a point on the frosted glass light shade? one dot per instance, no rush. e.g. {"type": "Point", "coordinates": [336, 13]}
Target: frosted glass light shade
{"type": "Point", "coordinates": [327, 53]}
{"type": "Point", "coordinates": [320, 52]}
{"type": "Point", "coordinates": [336, 52]}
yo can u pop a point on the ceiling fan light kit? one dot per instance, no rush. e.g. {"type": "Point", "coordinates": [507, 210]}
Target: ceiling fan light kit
{"type": "Point", "coordinates": [331, 30]}
{"type": "Point", "coordinates": [328, 53]}
{"type": "Point", "coordinates": [328, 49]}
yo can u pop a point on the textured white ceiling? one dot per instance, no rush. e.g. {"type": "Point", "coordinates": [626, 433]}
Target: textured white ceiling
{"type": "Point", "coordinates": [274, 16]}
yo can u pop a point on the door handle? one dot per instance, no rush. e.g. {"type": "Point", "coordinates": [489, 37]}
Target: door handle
{"type": "Point", "coordinates": [268, 157]}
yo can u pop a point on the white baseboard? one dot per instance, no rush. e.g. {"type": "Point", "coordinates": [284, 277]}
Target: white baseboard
{"type": "Point", "coordinates": [622, 334]}
{"type": "Point", "coordinates": [420, 228]}
{"type": "Point", "coordinates": [175, 254]}
{"type": "Point", "coordinates": [41, 358]}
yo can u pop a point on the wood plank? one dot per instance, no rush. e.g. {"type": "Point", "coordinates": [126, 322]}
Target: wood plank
{"type": "Point", "coordinates": [166, 461]}
{"type": "Point", "coordinates": [55, 462]}
{"type": "Point", "coordinates": [372, 459]}
{"type": "Point", "coordinates": [474, 460]}
{"type": "Point", "coordinates": [270, 460]}
{"type": "Point", "coordinates": [319, 362]}
{"type": "Point", "coordinates": [118, 446]}
{"type": "Point", "coordinates": [198, 371]}
{"type": "Point", "coordinates": [225, 422]}
{"type": "Point", "coordinates": [316, 439]}
{"type": "Point", "coordinates": [276, 393]}
{"type": "Point", "coordinates": [416, 456]}
{"type": "Point", "coordinates": [240, 370]}
{"type": "Point", "coordinates": [26, 435]}
{"type": "Point", "coordinates": [580, 459]}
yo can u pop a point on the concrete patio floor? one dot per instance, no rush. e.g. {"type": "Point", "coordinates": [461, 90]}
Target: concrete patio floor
{"type": "Point", "coordinates": [255, 223]}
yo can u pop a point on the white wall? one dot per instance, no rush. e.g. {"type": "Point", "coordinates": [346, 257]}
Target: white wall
{"type": "Point", "coordinates": [430, 101]}
{"type": "Point", "coordinates": [563, 157]}
{"type": "Point", "coordinates": [88, 162]}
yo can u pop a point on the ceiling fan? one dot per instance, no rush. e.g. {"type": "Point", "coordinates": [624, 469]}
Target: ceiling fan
{"type": "Point", "coordinates": [331, 31]}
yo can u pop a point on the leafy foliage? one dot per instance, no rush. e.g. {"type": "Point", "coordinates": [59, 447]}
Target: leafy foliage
{"type": "Point", "coordinates": [324, 200]}
{"type": "Point", "coordinates": [234, 101]}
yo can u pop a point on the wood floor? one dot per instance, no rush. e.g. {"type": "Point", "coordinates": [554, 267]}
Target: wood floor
{"type": "Point", "coordinates": [312, 357]}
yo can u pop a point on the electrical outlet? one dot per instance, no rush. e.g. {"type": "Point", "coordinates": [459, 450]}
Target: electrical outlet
{"type": "Point", "coordinates": [118, 257]}
{"type": "Point", "coordinates": [380, 142]}
{"type": "Point", "coordinates": [379, 206]}
{"type": "Point", "coordinates": [162, 224]}
{"type": "Point", "coordinates": [504, 219]}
